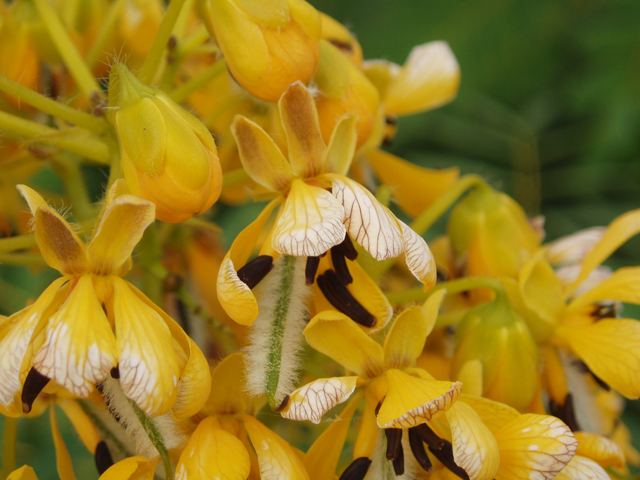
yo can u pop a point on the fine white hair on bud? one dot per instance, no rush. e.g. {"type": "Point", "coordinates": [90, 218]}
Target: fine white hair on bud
{"type": "Point", "coordinates": [275, 341]}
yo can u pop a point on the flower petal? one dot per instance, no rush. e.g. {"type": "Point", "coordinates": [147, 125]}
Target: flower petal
{"type": "Point", "coordinates": [623, 286]}
{"type": "Point", "coordinates": [369, 223]}
{"type": "Point", "coordinates": [148, 367]}
{"type": "Point", "coordinates": [80, 348]}
{"type": "Point", "coordinates": [338, 337]}
{"type": "Point", "coordinates": [120, 229]}
{"type": "Point", "coordinates": [572, 249]}
{"type": "Point", "coordinates": [213, 453]}
{"type": "Point", "coordinates": [493, 414]}
{"type": "Point", "coordinates": [23, 473]}
{"type": "Point", "coordinates": [125, 469]}
{"type": "Point", "coordinates": [611, 350]}
{"type": "Point", "coordinates": [405, 340]}
{"type": "Point", "coordinates": [600, 449]}
{"type": "Point", "coordinates": [260, 156]}
{"type": "Point", "coordinates": [276, 457]}
{"type": "Point", "coordinates": [411, 401]}
{"type": "Point", "coordinates": [310, 222]}
{"type": "Point", "coordinates": [229, 396]}
{"type": "Point", "coordinates": [582, 468]}
{"type": "Point", "coordinates": [63, 459]}
{"type": "Point", "coordinates": [534, 446]}
{"type": "Point", "coordinates": [315, 399]}
{"type": "Point", "coordinates": [302, 127]}
{"type": "Point", "coordinates": [474, 447]}
{"type": "Point", "coordinates": [342, 146]}
{"type": "Point", "coordinates": [418, 257]}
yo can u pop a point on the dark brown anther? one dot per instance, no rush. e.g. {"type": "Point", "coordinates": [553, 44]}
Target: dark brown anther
{"type": "Point", "coordinates": [342, 299]}
{"type": "Point", "coordinates": [344, 46]}
{"type": "Point", "coordinates": [357, 469]}
{"type": "Point", "coordinates": [254, 271]}
{"type": "Point", "coordinates": [172, 43]}
{"type": "Point", "coordinates": [283, 404]}
{"type": "Point", "coordinates": [394, 442]}
{"type": "Point", "coordinates": [445, 455]}
{"type": "Point", "coordinates": [311, 269]}
{"type": "Point", "coordinates": [340, 265]}
{"type": "Point", "coordinates": [417, 447]}
{"type": "Point", "coordinates": [103, 457]}
{"type": "Point", "coordinates": [605, 311]}
{"type": "Point", "coordinates": [585, 369]}
{"type": "Point", "coordinates": [398, 463]}
{"type": "Point", "coordinates": [565, 412]}
{"type": "Point", "coordinates": [347, 248]}
{"type": "Point", "coordinates": [428, 436]}
{"type": "Point", "coordinates": [33, 385]}
{"type": "Point", "coordinates": [172, 283]}
{"type": "Point", "coordinates": [115, 373]}
{"type": "Point", "coordinates": [378, 408]}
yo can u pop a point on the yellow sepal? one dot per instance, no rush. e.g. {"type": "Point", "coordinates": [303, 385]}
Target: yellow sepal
{"type": "Point", "coordinates": [63, 459]}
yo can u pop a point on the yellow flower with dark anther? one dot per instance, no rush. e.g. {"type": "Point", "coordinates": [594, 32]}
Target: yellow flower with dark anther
{"type": "Point", "coordinates": [229, 442]}
{"type": "Point", "coordinates": [321, 205]}
{"type": "Point", "coordinates": [268, 45]}
{"type": "Point", "coordinates": [68, 333]}
{"type": "Point", "coordinates": [166, 154]}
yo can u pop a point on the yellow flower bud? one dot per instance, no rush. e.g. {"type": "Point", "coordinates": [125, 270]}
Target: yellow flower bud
{"type": "Point", "coordinates": [495, 335]}
{"type": "Point", "coordinates": [340, 36]}
{"type": "Point", "coordinates": [268, 45]}
{"type": "Point", "coordinates": [167, 155]}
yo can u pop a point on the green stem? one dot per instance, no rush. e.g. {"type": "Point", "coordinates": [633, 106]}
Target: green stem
{"type": "Point", "coordinates": [71, 174]}
{"type": "Point", "coordinates": [86, 145]}
{"type": "Point", "coordinates": [9, 449]}
{"type": "Point", "coordinates": [192, 41]}
{"type": "Point", "coordinates": [452, 287]}
{"type": "Point", "coordinates": [23, 259]}
{"type": "Point", "coordinates": [20, 242]}
{"type": "Point", "coordinates": [153, 58]}
{"type": "Point", "coordinates": [234, 177]}
{"type": "Point", "coordinates": [67, 50]}
{"type": "Point", "coordinates": [150, 258]}
{"type": "Point", "coordinates": [106, 29]}
{"type": "Point", "coordinates": [47, 105]}
{"type": "Point", "coordinates": [154, 436]}
{"type": "Point", "coordinates": [181, 93]}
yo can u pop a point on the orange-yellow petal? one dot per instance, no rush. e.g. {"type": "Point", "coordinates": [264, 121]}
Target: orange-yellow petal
{"type": "Point", "coordinates": [63, 459]}
{"type": "Point", "coordinates": [315, 399]}
{"type": "Point", "coordinates": [132, 468]}
{"type": "Point", "coordinates": [623, 286]}
{"type": "Point", "coordinates": [23, 473]}
{"type": "Point", "coordinates": [493, 414]}
{"type": "Point", "coordinates": [342, 146]}
{"type": "Point", "coordinates": [600, 449]}
{"type": "Point", "coordinates": [81, 422]}
{"type": "Point", "coordinates": [229, 395]}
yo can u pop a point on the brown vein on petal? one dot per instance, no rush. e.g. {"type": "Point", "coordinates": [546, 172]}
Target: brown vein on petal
{"type": "Point", "coordinates": [341, 298]}
{"type": "Point", "coordinates": [33, 385]}
{"type": "Point", "coordinates": [357, 469]}
{"type": "Point", "coordinates": [255, 270]}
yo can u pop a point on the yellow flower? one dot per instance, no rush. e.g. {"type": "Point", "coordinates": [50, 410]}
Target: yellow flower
{"type": "Point", "coordinates": [321, 205]}
{"type": "Point", "coordinates": [267, 45]}
{"type": "Point", "coordinates": [131, 468]}
{"type": "Point", "coordinates": [68, 333]}
{"type": "Point", "coordinates": [167, 155]}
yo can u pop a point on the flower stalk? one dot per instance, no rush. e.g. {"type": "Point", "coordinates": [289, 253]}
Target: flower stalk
{"type": "Point", "coordinates": [9, 449]}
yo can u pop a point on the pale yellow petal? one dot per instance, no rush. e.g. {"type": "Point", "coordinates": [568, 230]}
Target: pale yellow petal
{"type": "Point", "coordinates": [623, 286]}
{"type": "Point", "coordinates": [310, 222]}
{"type": "Point", "coordinates": [418, 257]}
{"type": "Point", "coordinates": [229, 395]}
{"type": "Point", "coordinates": [369, 223]}
{"type": "Point", "coordinates": [611, 350]}
{"type": "Point", "coordinates": [411, 401]}
{"type": "Point", "coordinates": [582, 468]}
{"type": "Point", "coordinates": [470, 375]}
{"type": "Point", "coordinates": [572, 249]}
{"type": "Point", "coordinates": [315, 399]}
{"type": "Point", "coordinates": [213, 453]}
{"type": "Point", "coordinates": [120, 229]}
{"type": "Point", "coordinates": [148, 367]}
{"type": "Point", "coordinates": [260, 156]}
{"type": "Point", "coordinates": [132, 468]}
{"type": "Point", "coordinates": [341, 339]}
{"type": "Point", "coordinates": [63, 459]}
{"type": "Point", "coordinates": [600, 449]}
{"type": "Point", "coordinates": [23, 473]}
{"type": "Point", "coordinates": [79, 349]}
{"type": "Point", "coordinates": [474, 447]}
{"type": "Point", "coordinates": [429, 78]}
{"type": "Point", "coordinates": [342, 146]}
{"type": "Point", "coordinates": [276, 457]}
{"type": "Point", "coordinates": [534, 446]}
{"type": "Point", "coordinates": [302, 128]}
{"type": "Point", "coordinates": [493, 414]}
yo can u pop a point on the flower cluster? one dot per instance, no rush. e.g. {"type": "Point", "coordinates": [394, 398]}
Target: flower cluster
{"type": "Point", "coordinates": [486, 355]}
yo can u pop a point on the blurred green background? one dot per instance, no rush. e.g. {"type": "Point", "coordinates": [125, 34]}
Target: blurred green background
{"type": "Point", "coordinates": [548, 111]}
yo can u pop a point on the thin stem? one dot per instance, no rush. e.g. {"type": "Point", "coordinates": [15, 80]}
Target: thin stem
{"type": "Point", "coordinates": [234, 177]}
{"type": "Point", "coordinates": [87, 146]}
{"type": "Point", "coordinates": [150, 257]}
{"type": "Point", "coordinates": [9, 449]}
{"type": "Point", "coordinates": [20, 242]}
{"type": "Point", "coordinates": [153, 58]}
{"type": "Point", "coordinates": [67, 50]}
{"type": "Point", "coordinates": [71, 174]}
{"type": "Point", "coordinates": [23, 259]}
{"type": "Point", "coordinates": [105, 32]}
{"type": "Point", "coordinates": [181, 93]}
{"type": "Point", "coordinates": [47, 105]}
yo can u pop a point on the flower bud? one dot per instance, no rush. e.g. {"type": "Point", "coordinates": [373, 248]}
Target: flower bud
{"type": "Point", "coordinates": [167, 155]}
{"type": "Point", "coordinates": [268, 45]}
{"type": "Point", "coordinates": [340, 36]}
{"type": "Point", "coordinates": [495, 335]}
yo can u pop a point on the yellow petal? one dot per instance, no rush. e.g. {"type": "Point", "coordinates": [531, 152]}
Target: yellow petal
{"type": "Point", "coordinates": [132, 468]}
{"type": "Point", "coordinates": [470, 375]}
{"type": "Point", "coordinates": [235, 296]}
{"type": "Point", "coordinates": [60, 246]}
{"type": "Point", "coordinates": [618, 232]}
{"type": "Point", "coordinates": [369, 223]}
{"type": "Point", "coordinates": [572, 249]}
{"type": "Point", "coordinates": [310, 222]}
{"type": "Point", "coordinates": [611, 350]}
{"type": "Point", "coordinates": [411, 401]}
{"type": "Point", "coordinates": [340, 338]}
{"type": "Point", "coordinates": [276, 457]}
{"type": "Point", "coordinates": [474, 447]}
{"type": "Point", "coordinates": [600, 449]}
{"type": "Point", "coordinates": [302, 127]}
{"type": "Point", "coordinates": [534, 446]}
{"type": "Point", "coordinates": [80, 348]}
{"type": "Point", "coordinates": [23, 473]}
{"type": "Point", "coordinates": [582, 468]}
{"type": "Point", "coordinates": [418, 257]}
{"type": "Point", "coordinates": [342, 146]}
{"type": "Point", "coordinates": [213, 453]}
{"type": "Point", "coordinates": [415, 188]}
{"type": "Point", "coordinates": [63, 459]}
{"type": "Point", "coordinates": [148, 367]}
{"type": "Point", "coordinates": [493, 414]}
{"type": "Point", "coordinates": [229, 396]}
{"type": "Point", "coordinates": [81, 423]}
{"type": "Point", "coordinates": [315, 399]}
{"type": "Point", "coordinates": [260, 156]}
{"type": "Point", "coordinates": [623, 286]}
{"type": "Point", "coordinates": [429, 78]}
{"type": "Point", "coordinates": [366, 441]}
{"type": "Point", "coordinates": [120, 229]}
{"type": "Point", "coordinates": [405, 340]}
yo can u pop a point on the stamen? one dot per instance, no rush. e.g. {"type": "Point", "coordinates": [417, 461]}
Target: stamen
{"type": "Point", "coordinates": [605, 311]}
{"type": "Point", "coordinates": [115, 373]}
{"type": "Point", "coordinates": [398, 463]}
{"type": "Point", "coordinates": [445, 455]}
{"type": "Point", "coordinates": [347, 248]}
{"type": "Point", "coordinates": [340, 264]}
{"type": "Point", "coordinates": [283, 404]}
{"type": "Point", "coordinates": [342, 299]}
{"type": "Point", "coordinates": [417, 447]}
{"type": "Point", "coordinates": [33, 385]}
{"type": "Point", "coordinates": [311, 269]}
{"type": "Point", "coordinates": [344, 46]}
{"type": "Point", "coordinates": [565, 412]}
{"type": "Point", "coordinates": [357, 469]}
{"type": "Point", "coordinates": [394, 442]}
{"type": "Point", "coordinates": [256, 270]}
{"type": "Point", "coordinates": [103, 457]}
{"type": "Point", "coordinates": [584, 368]}
{"type": "Point", "coordinates": [429, 437]}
